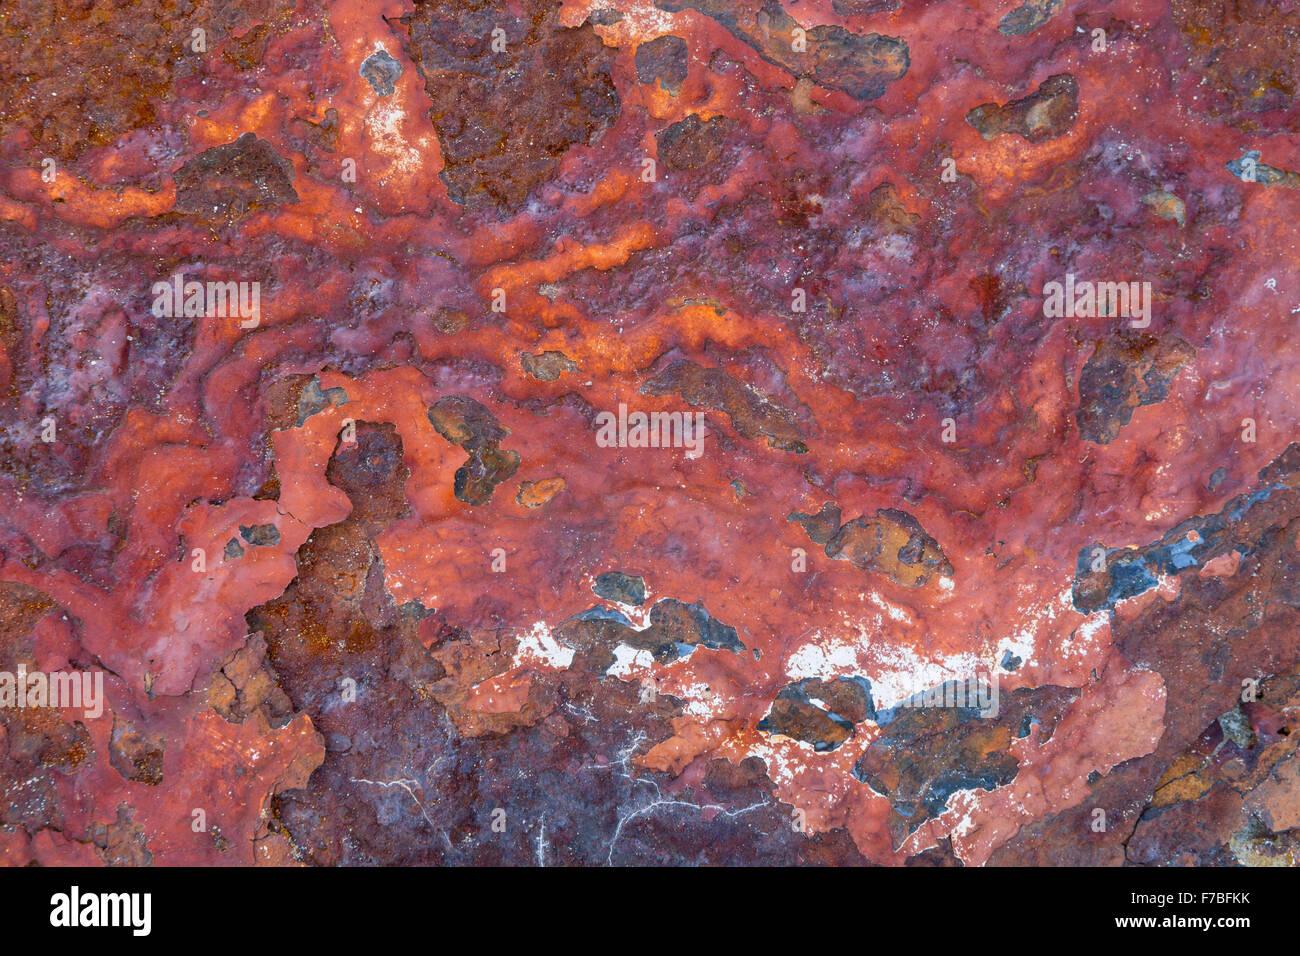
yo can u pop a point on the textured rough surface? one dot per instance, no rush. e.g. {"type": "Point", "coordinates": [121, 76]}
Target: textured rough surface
{"type": "Point", "coordinates": [389, 537]}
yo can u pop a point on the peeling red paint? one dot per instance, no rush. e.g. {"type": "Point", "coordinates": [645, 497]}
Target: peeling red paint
{"type": "Point", "coordinates": [339, 562]}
